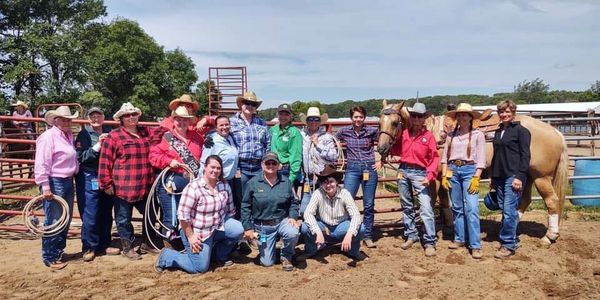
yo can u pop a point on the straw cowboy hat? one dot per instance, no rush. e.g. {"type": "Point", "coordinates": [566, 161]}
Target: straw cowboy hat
{"type": "Point", "coordinates": [181, 112]}
{"type": "Point", "coordinates": [126, 108]}
{"type": "Point", "coordinates": [62, 111]}
{"type": "Point", "coordinates": [464, 108]}
{"type": "Point", "coordinates": [248, 96]}
{"type": "Point", "coordinates": [314, 112]}
{"type": "Point", "coordinates": [21, 103]}
{"type": "Point", "coordinates": [185, 98]}
{"type": "Point", "coordinates": [419, 108]}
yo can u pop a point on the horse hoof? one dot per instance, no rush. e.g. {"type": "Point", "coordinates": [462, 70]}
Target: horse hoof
{"type": "Point", "coordinates": [545, 242]}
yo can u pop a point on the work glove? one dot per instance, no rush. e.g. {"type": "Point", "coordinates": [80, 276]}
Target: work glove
{"type": "Point", "coordinates": [474, 185]}
{"type": "Point", "coordinates": [446, 180]}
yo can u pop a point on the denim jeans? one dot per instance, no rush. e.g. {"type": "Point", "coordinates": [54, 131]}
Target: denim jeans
{"type": "Point", "coordinates": [95, 209]}
{"type": "Point", "coordinates": [336, 235]}
{"type": "Point", "coordinates": [123, 212]}
{"type": "Point", "coordinates": [413, 179]}
{"type": "Point", "coordinates": [285, 171]}
{"type": "Point", "coordinates": [306, 195]}
{"type": "Point", "coordinates": [219, 244]}
{"type": "Point", "coordinates": [465, 206]}
{"type": "Point", "coordinates": [54, 246]}
{"type": "Point", "coordinates": [236, 192]}
{"type": "Point", "coordinates": [169, 202]}
{"type": "Point", "coordinates": [289, 235]}
{"type": "Point", "coordinates": [352, 180]}
{"type": "Point", "coordinates": [508, 201]}
{"type": "Point", "coordinates": [248, 171]}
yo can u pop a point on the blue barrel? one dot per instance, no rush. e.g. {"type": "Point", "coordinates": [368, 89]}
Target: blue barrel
{"type": "Point", "coordinates": [583, 187]}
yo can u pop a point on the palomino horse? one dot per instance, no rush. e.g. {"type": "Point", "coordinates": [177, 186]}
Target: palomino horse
{"type": "Point", "coordinates": [548, 168]}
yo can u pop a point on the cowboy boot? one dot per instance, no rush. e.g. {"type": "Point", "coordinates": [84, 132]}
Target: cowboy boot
{"type": "Point", "coordinates": [128, 250]}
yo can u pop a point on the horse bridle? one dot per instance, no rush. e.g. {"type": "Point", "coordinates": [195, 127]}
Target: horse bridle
{"type": "Point", "coordinates": [387, 112]}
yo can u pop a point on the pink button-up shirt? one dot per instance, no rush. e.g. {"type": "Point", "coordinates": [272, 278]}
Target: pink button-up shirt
{"type": "Point", "coordinates": [55, 156]}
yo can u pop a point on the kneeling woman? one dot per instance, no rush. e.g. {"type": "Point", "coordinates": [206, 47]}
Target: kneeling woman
{"type": "Point", "coordinates": [332, 217]}
{"type": "Point", "coordinates": [208, 229]}
{"type": "Point", "coordinates": [269, 211]}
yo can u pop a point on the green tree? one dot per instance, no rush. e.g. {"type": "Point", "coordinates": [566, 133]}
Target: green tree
{"type": "Point", "coordinates": [531, 91]}
{"type": "Point", "coordinates": [595, 90]}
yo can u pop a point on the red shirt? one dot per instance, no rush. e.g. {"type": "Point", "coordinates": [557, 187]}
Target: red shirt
{"type": "Point", "coordinates": [419, 150]}
{"type": "Point", "coordinates": [124, 164]}
{"type": "Point", "coordinates": [162, 154]}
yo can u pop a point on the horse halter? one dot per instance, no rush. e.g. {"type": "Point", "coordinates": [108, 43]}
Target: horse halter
{"type": "Point", "coordinates": [388, 112]}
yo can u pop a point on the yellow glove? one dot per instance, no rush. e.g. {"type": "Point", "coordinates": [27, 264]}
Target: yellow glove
{"type": "Point", "coordinates": [446, 180]}
{"type": "Point", "coordinates": [474, 185]}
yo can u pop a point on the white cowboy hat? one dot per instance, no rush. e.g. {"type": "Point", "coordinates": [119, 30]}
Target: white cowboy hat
{"type": "Point", "coordinates": [62, 111]}
{"type": "Point", "coordinates": [464, 108]}
{"type": "Point", "coordinates": [185, 98]}
{"type": "Point", "coordinates": [314, 112]}
{"type": "Point", "coordinates": [419, 108]}
{"type": "Point", "coordinates": [126, 108]}
{"type": "Point", "coordinates": [181, 112]}
{"type": "Point", "coordinates": [248, 96]}
{"type": "Point", "coordinates": [20, 103]}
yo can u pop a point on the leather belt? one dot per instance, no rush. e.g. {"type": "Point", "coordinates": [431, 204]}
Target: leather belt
{"type": "Point", "coordinates": [460, 162]}
{"type": "Point", "coordinates": [250, 160]}
{"type": "Point", "coordinates": [411, 166]}
{"type": "Point", "coordinates": [271, 222]}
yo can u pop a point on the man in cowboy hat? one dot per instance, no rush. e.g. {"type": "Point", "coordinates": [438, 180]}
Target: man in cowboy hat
{"type": "Point", "coordinates": [332, 217]}
{"type": "Point", "coordinates": [319, 151]}
{"type": "Point", "coordinates": [286, 141]}
{"type": "Point", "coordinates": [251, 136]}
{"type": "Point", "coordinates": [21, 111]}
{"type": "Point", "coordinates": [55, 166]}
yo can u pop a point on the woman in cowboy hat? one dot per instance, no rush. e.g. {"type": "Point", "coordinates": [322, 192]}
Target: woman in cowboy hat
{"type": "Point", "coordinates": [319, 152]}
{"type": "Point", "coordinates": [419, 159]}
{"type": "Point", "coordinates": [195, 123]}
{"type": "Point", "coordinates": [55, 166]}
{"type": "Point", "coordinates": [125, 172]}
{"type": "Point", "coordinates": [180, 146]}
{"type": "Point", "coordinates": [95, 206]}
{"type": "Point", "coordinates": [21, 111]}
{"type": "Point", "coordinates": [462, 161]}
{"type": "Point", "coordinates": [332, 217]}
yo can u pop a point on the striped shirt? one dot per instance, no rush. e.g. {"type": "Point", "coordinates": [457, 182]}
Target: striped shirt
{"type": "Point", "coordinates": [314, 157]}
{"type": "Point", "coordinates": [359, 146]}
{"type": "Point", "coordinates": [252, 139]}
{"type": "Point", "coordinates": [205, 211]}
{"type": "Point", "coordinates": [332, 211]}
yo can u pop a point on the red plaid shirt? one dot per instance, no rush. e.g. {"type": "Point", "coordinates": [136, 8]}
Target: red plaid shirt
{"type": "Point", "coordinates": [205, 211]}
{"type": "Point", "coordinates": [124, 164]}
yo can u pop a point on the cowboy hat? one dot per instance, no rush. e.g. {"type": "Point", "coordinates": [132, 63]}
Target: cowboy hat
{"type": "Point", "coordinates": [331, 171]}
{"type": "Point", "coordinates": [126, 108]}
{"type": "Point", "coordinates": [248, 96]}
{"type": "Point", "coordinates": [181, 112]}
{"type": "Point", "coordinates": [62, 111]}
{"type": "Point", "coordinates": [20, 103]}
{"type": "Point", "coordinates": [464, 108]}
{"type": "Point", "coordinates": [185, 98]}
{"type": "Point", "coordinates": [419, 108]}
{"type": "Point", "coordinates": [314, 112]}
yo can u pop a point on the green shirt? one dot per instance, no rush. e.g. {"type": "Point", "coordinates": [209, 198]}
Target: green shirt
{"type": "Point", "coordinates": [287, 143]}
{"type": "Point", "coordinates": [265, 202]}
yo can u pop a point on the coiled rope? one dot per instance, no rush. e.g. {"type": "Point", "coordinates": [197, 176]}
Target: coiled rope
{"type": "Point", "coordinates": [152, 211]}
{"type": "Point", "coordinates": [32, 223]}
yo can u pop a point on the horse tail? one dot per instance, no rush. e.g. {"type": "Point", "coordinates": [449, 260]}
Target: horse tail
{"type": "Point", "coordinates": [561, 176]}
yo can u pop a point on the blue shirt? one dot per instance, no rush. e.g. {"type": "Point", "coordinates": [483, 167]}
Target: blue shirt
{"type": "Point", "coordinates": [226, 149]}
{"type": "Point", "coordinates": [359, 146]}
{"type": "Point", "coordinates": [252, 139]}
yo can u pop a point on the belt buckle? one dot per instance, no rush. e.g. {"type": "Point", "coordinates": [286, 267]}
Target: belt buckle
{"type": "Point", "coordinates": [458, 163]}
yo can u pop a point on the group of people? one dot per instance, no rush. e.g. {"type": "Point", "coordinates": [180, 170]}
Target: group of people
{"type": "Point", "coordinates": [262, 184]}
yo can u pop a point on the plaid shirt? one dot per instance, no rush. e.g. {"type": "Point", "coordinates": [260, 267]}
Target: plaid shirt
{"type": "Point", "coordinates": [205, 211]}
{"type": "Point", "coordinates": [253, 139]}
{"type": "Point", "coordinates": [359, 147]}
{"type": "Point", "coordinates": [124, 164]}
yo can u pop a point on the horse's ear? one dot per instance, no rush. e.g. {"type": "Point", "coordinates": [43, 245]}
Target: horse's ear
{"type": "Point", "coordinates": [384, 103]}
{"type": "Point", "coordinates": [401, 105]}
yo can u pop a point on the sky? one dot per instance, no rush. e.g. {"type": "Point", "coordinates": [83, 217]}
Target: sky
{"type": "Point", "coordinates": [335, 50]}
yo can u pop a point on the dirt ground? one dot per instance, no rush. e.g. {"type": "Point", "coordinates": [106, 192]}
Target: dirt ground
{"type": "Point", "coordinates": [568, 269]}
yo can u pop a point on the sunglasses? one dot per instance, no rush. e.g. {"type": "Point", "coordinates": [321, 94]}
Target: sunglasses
{"type": "Point", "coordinates": [250, 103]}
{"type": "Point", "coordinates": [417, 116]}
{"type": "Point", "coordinates": [271, 163]}
{"type": "Point", "coordinates": [129, 115]}
{"type": "Point", "coordinates": [313, 119]}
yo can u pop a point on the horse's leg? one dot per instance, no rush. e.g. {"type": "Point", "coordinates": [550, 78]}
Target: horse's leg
{"type": "Point", "coordinates": [546, 190]}
{"type": "Point", "coordinates": [525, 198]}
